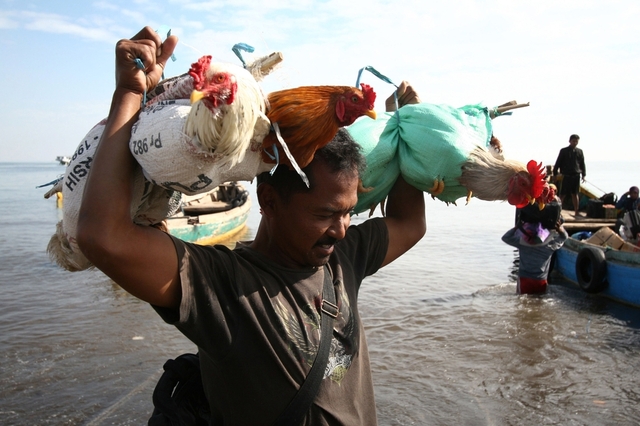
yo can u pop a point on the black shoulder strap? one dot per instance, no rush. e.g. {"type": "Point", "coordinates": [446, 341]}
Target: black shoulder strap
{"type": "Point", "coordinates": [301, 402]}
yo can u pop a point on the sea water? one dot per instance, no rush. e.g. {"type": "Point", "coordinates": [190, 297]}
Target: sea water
{"type": "Point", "coordinates": [450, 341]}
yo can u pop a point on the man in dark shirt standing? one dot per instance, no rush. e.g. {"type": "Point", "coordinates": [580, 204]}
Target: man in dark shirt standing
{"type": "Point", "coordinates": [570, 163]}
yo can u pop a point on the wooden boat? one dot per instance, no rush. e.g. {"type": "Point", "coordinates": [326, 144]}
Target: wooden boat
{"type": "Point", "coordinates": [585, 223]}
{"type": "Point", "coordinates": [212, 217]}
{"type": "Point", "coordinates": [603, 264]}
{"type": "Point", "coordinates": [590, 199]}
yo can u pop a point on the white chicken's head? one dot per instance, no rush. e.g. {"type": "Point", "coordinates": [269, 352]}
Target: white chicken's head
{"type": "Point", "coordinates": [214, 87]}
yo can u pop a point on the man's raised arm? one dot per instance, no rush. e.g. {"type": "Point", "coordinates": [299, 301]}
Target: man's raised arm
{"type": "Point", "coordinates": [141, 259]}
{"type": "Point", "coordinates": [405, 210]}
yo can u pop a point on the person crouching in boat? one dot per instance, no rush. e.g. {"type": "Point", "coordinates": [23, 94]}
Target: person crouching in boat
{"type": "Point", "coordinates": [535, 245]}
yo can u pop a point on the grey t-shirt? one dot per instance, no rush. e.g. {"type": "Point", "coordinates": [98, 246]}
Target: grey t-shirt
{"type": "Point", "coordinates": [256, 325]}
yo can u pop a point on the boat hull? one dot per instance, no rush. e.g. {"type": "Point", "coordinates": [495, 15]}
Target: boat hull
{"type": "Point", "coordinates": [622, 271]}
{"type": "Point", "coordinates": [208, 229]}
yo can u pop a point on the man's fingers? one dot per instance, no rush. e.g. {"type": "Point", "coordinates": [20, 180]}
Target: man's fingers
{"type": "Point", "coordinates": [148, 33]}
{"type": "Point", "coordinates": [403, 87]}
{"type": "Point", "coordinates": [145, 51]}
{"type": "Point", "coordinates": [406, 94]}
{"type": "Point", "coordinates": [166, 50]}
{"type": "Point", "coordinates": [155, 51]}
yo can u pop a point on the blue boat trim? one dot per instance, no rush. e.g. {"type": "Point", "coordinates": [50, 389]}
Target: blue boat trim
{"type": "Point", "coordinates": [623, 270]}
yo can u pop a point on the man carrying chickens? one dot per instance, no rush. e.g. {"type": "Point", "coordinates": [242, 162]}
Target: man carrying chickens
{"type": "Point", "coordinates": [254, 311]}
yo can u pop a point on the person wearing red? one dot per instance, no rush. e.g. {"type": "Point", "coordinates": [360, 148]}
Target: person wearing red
{"type": "Point", "coordinates": [535, 245]}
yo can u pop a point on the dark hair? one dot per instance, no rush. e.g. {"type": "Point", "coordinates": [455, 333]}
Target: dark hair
{"type": "Point", "coordinates": [342, 155]}
{"type": "Point", "coordinates": [574, 136]}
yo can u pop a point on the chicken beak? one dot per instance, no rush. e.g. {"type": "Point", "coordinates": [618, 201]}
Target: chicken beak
{"type": "Point", "coordinates": [531, 199]}
{"type": "Point", "coordinates": [371, 113]}
{"type": "Point", "coordinates": [196, 95]}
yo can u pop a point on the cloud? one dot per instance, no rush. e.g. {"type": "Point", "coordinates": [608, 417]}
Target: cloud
{"type": "Point", "coordinates": [575, 60]}
{"type": "Point", "coordinates": [53, 23]}
{"type": "Point", "coordinates": [7, 20]}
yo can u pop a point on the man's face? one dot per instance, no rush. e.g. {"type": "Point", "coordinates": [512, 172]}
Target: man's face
{"type": "Point", "coordinates": [633, 194]}
{"type": "Point", "coordinates": [574, 142]}
{"type": "Point", "coordinates": [310, 223]}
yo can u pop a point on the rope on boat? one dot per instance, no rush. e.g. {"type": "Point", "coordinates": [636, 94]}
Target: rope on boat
{"type": "Point", "coordinates": [601, 190]}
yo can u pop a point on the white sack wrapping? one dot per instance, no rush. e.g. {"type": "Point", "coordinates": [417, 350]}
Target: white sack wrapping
{"type": "Point", "coordinates": [153, 203]}
{"type": "Point", "coordinates": [172, 160]}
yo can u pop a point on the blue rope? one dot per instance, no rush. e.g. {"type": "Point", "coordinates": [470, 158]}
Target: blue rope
{"type": "Point", "coordinates": [496, 113]}
{"type": "Point", "coordinates": [173, 57]}
{"type": "Point", "coordinates": [382, 77]}
{"type": "Point", "coordinates": [140, 65]}
{"type": "Point", "coordinates": [53, 182]}
{"type": "Point", "coordinates": [242, 46]}
{"type": "Point", "coordinates": [375, 72]}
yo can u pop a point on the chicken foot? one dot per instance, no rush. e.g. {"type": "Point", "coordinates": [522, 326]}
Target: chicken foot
{"type": "Point", "coordinates": [437, 188]}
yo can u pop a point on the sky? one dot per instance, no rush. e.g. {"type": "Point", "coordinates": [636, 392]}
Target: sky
{"type": "Point", "coordinates": [576, 62]}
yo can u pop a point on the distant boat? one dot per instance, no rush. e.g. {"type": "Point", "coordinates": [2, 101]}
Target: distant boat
{"type": "Point", "coordinates": [63, 160]}
{"type": "Point", "coordinates": [212, 217]}
{"type": "Point", "coordinates": [603, 264]}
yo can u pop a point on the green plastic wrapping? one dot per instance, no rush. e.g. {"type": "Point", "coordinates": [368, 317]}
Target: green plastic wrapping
{"type": "Point", "coordinates": [423, 142]}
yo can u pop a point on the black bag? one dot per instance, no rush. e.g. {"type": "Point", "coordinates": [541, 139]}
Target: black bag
{"type": "Point", "coordinates": [609, 198]}
{"type": "Point", "coordinates": [179, 398]}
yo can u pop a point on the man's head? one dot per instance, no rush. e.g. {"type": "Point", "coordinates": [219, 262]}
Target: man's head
{"type": "Point", "coordinates": [342, 155]}
{"type": "Point", "coordinates": [573, 140]}
{"type": "Point", "coordinates": [634, 192]}
{"type": "Point", "coordinates": [300, 225]}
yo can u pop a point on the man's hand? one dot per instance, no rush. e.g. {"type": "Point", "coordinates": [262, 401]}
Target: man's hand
{"type": "Point", "coordinates": [406, 95]}
{"type": "Point", "coordinates": [152, 54]}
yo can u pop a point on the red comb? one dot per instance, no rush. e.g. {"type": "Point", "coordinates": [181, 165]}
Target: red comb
{"type": "Point", "coordinates": [536, 170]}
{"type": "Point", "coordinates": [198, 69]}
{"type": "Point", "coordinates": [369, 94]}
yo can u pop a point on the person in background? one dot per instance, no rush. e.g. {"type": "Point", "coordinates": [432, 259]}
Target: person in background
{"type": "Point", "coordinates": [627, 207]}
{"type": "Point", "coordinates": [628, 201]}
{"type": "Point", "coordinates": [570, 164]}
{"type": "Point", "coordinates": [536, 246]}
{"type": "Point", "coordinates": [253, 312]}
{"type": "Point", "coordinates": [554, 198]}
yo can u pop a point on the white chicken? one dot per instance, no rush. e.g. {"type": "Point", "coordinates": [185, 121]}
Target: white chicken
{"type": "Point", "coordinates": [227, 109]}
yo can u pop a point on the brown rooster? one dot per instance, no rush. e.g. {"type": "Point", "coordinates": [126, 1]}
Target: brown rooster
{"type": "Point", "coordinates": [308, 118]}
{"type": "Point", "coordinates": [227, 109]}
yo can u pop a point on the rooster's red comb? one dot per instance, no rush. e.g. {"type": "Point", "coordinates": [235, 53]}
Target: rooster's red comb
{"type": "Point", "coordinates": [538, 178]}
{"type": "Point", "coordinates": [369, 94]}
{"type": "Point", "coordinates": [198, 69]}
